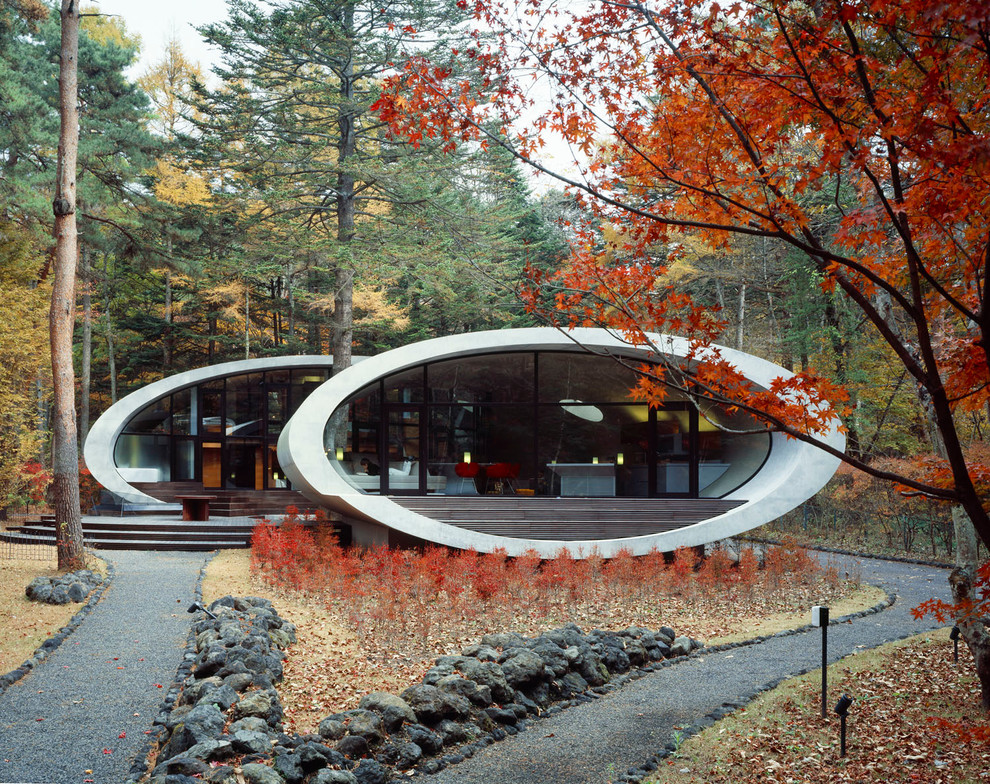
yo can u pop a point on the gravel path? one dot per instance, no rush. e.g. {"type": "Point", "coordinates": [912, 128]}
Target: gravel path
{"type": "Point", "coordinates": [597, 742]}
{"type": "Point", "coordinates": [88, 706]}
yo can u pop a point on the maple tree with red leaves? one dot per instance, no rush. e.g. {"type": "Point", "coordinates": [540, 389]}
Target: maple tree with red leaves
{"type": "Point", "coordinates": [712, 120]}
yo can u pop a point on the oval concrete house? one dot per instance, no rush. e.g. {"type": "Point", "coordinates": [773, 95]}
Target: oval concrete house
{"type": "Point", "coordinates": [527, 439]}
{"type": "Point", "coordinates": [210, 428]}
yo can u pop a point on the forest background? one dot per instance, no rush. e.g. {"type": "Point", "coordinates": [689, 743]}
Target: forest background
{"type": "Point", "coordinates": [272, 213]}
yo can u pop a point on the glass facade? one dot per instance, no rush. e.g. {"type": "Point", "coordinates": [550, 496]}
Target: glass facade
{"type": "Point", "coordinates": [536, 423]}
{"type": "Point", "coordinates": [222, 432]}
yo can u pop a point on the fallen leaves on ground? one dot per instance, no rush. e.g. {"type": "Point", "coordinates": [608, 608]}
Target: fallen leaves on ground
{"type": "Point", "coordinates": [349, 646]}
{"type": "Point", "coordinates": [894, 732]}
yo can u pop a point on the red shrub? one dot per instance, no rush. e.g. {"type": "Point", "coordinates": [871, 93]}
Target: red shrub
{"type": "Point", "coordinates": [716, 570]}
{"type": "Point", "coordinates": [685, 562]}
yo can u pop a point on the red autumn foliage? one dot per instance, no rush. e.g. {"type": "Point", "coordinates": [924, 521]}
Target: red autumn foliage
{"type": "Point", "coordinates": [35, 479]}
{"type": "Point", "coordinates": [402, 591]}
{"type": "Point", "coordinates": [853, 131]}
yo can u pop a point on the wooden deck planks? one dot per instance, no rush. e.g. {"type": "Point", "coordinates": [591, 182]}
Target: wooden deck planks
{"type": "Point", "coordinates": [566, 519]}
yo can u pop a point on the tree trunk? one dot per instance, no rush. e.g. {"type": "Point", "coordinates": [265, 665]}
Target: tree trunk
{"type": "Point", "coordinates": [247, 323]}
{"type": "Point", "coordinates": [167, 343]}
{"type": "Point", "coordinates": [111, 353]}
{"type": "Point", "coordinates": [292, 305]}
{"type": "Point", "coordinates": [973, 630]}
{"type": "Point", "coordinates": [741, 316]}
{"type": "Point", "coordinates": [343, 301]}
{"type": "Point", "coordinates": [86, 360]}
{"type": "Point", "coordinates": [840, 347]}
{"type": "Point", "coordinates": [65, 450]}
{"type": "Point", "coordinates": [343, 319]}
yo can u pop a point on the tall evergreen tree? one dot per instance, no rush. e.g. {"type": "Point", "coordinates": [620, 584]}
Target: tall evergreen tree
{"type": "Point", "coordinates": [292, 116]}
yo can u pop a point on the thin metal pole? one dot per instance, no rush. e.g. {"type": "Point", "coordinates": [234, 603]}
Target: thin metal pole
{"type": "Point", "coordinates": [842, 736]}
{"type": "Point", "coordinates": [825, 669]}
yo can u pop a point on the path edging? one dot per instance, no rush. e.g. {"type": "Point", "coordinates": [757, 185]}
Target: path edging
{"type": "Point", "coordinates": [637, 774]}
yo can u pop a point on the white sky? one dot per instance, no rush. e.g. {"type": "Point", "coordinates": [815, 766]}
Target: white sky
{"type": "Point", "coordinates": [158, 21]}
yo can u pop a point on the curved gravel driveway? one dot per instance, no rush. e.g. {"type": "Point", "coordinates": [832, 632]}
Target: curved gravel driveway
{"type": "Point", "coordinates": [597, 742]}
{"type": "Point", "coordinates": [88, 706]}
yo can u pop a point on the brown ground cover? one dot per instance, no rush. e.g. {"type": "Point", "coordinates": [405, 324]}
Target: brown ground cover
{"type": "Point", "coordinates": [908, 695]}
{"type": "Point", "coordinates": [27, 624]}
{"type": "Point", "coordinates": [377, 621]}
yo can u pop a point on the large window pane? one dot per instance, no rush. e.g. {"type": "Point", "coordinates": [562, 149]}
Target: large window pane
{"type": "Point", "coordinates": [673, 452]}
{"type": "Point", "coordinates": [212, 414]}
{"type": "Point", "coordinates": [304, 382]}
{"type": "Point", "coordinates": [245, 405]}
{"type": "Point", "coordinates": [351, 440]}
{"type": "Point", "coordinates": [588, 450]}
{"type": "Point", "coordinates": [143, 458]}
{"type": "Point", "coordinates": [496, 378]}
{"type": "Point", "coordinates": [277, 400]}
{"type": "Point", "coordinates": [155, 418]}
{"type": "Point", "coordinates": [182, 411]}
{"type": "Point", "coordinates": [405, 387]}
{"type": "Point", "coordinates": [184, 459]}
{"type": "Point", "coordinates": [582, 377]}
{"type": "Point", "coordinates": [496, 438]}
{"type": "Point", "coordinates": [728, 457]}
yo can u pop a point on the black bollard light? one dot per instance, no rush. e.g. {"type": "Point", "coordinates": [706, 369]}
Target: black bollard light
{"type": "Point", "coordinates": [197, 607]}
{"type": "Point", "coordinates": [842, 709]}
{"type": "Point", "coordinates": [819, 617]}
{"type": "Point", "coordinates": [954, 636]}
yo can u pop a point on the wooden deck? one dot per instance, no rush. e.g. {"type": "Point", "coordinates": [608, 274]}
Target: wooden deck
{"type": "Point", "coordinates": [566, 519]}
{"type": "Point", "coordinates": [142, 533]}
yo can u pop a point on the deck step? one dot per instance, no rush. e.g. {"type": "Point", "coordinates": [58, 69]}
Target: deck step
{"type": "Point", "coordinates": [566, 519]}
{"type": "Point", "coordinates": [130, 533]}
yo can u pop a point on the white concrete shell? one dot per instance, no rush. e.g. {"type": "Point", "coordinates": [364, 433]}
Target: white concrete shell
{"type": "Point", "coordinates": [793, 472]}
{"type": "Point", "coordinates": [98, 450]}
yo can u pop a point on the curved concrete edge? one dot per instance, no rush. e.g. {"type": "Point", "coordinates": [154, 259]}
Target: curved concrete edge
{"type": "Point", "coordinates": [102, 438]}
{"type": "Point", "coordinates": [794, 471]}
{"type": "Point", "coordinates": [52, 644]}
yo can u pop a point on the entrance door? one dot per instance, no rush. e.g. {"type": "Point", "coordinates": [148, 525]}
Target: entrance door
{"type": "Point", "coordinates": [674, 451]}
{"type": "Point", "coordinates": [403, 460]}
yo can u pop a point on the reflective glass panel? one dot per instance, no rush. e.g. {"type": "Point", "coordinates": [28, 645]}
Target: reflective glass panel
{"type": "Point", "coordinates": [351, 440]}
{"type": "Point", "coordinates": [245, 405]}
{"type": "Point", "coordinates": [728, 457]}
{"type": "Point", "coordinates": [184, 459]}
{"type": "Point", "coordinates": [181, 411]}
{"type": "Point", "coordinates": [304, 382]}
{"type": "Point", "coordinates": [276, 408]}
{"type": "Point", "coordinates": [495, 378]}
{"type": "Point", "coordinates": [143, 458]}
{"type": "Point", "coordinates": [155, 418]}
{"type": "Point", "coordinates": [582, 377]}
{"type": "Point", "coordinates": [498, 439]}
{"type": "Point", "coordinates": [405, 387]}
{"type": "Point", "coordinates": [673, 452]}
{"type": "Point", "coordinates": [580, 448]}
{"type": "Point", "coordinates": [212, 411]}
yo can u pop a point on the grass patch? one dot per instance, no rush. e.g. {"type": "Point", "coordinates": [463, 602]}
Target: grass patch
{"type": "Point", "coordinates": [27, 624]}
{"type": "Point", "coordinates": [864, 597]}
{"type": "Point", "coordinates": [902, 691]}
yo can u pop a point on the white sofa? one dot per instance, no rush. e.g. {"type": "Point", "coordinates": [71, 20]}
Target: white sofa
{"type": "Point", "coordinates": [401, 476]}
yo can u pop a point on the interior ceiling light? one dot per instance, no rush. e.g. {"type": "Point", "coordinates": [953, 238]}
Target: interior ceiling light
{"type": "Point", "coordinates": [582, 410]}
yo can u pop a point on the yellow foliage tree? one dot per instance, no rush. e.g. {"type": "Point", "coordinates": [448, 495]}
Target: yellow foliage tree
{"type": "Point", "coordinates": [24, 356]}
